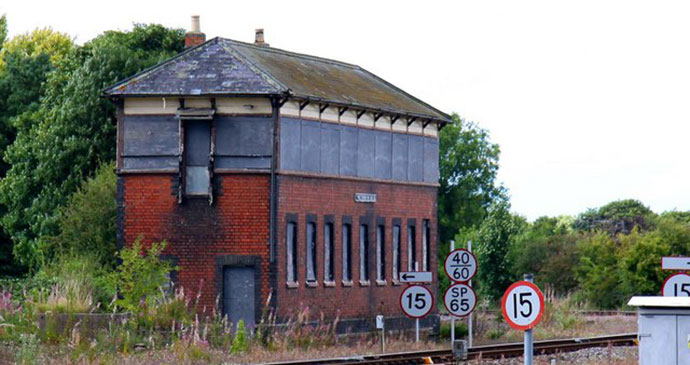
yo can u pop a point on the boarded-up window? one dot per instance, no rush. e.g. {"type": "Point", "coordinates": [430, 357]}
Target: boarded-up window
{"type": "Point", "coordinates": [396, 252]}
{"type": "Point", "coordinates": [311, 251]}
{"type": "Point", "coordinates": [347, 252]}
{"type": "Point", "coordinates": [363, 252]}
{"type": "Point", "coordinates": [380, 252]}
{"type": "Point", "coordinates": [291, 249]}
{"type": "Point", "coordinates": [328, 252]}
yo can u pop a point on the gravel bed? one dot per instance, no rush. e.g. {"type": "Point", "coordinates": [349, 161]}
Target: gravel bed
{"type": "Point", "coordinates": [595, 355]}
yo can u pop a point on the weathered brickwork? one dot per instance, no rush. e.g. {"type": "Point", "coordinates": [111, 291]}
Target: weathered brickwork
{"type": "Point", "coordinates": [323, 197]}
{"type": "Point", "coordinates": [202, 236]}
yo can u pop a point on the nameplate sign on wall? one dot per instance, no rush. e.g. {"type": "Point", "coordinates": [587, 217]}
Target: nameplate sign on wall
{"type": "Point", "coordinates": [365, 198]}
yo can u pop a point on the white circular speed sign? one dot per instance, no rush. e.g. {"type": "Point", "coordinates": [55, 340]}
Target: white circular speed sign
{"type": "Point", "coordinates": [460, 265]}
{"type": "Point", "coordinates": [677, 285]}
{"type": "Point", "coordinates": [416, 301]}
{"type": "Point", "coordinates": [522, 305]}
{"type": "Point", "coordinates": [460, 300]}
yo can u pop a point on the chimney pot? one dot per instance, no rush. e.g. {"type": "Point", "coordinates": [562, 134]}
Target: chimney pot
{"type": "Point", "coordinates": [194, 37]}
{"type": "Point", "coordinates": [196, 28]}
{"type": "Point", "coordinates": [259, 37]}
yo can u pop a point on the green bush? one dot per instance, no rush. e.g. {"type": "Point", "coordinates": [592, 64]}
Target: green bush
{"type": "Point", "coordinates": [461, 330]}
{"type": "Point", "coordinates": [87, 224]}
{"type": "Point", "coordinates": [141, 276]}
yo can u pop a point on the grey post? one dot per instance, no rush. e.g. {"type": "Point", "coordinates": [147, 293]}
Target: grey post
{"type": "Point", "coordinates": [469, 333]}
{"type": "Point", "coordinates": [416, 332]}
{"type": "Point", "coordinates": [452, 317]}
{"type": "Point", "coordinates": [529, 346]}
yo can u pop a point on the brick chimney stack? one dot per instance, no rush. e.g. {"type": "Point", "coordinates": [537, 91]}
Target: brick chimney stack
{"type": "Point", "coordinates": [194, 37]}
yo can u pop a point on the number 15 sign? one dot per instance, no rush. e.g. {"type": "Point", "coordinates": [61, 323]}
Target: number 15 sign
{"type": "Point", "coordinates": [522, 305]}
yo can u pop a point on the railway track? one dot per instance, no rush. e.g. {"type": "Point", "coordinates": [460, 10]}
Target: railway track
{"type": "Point", "coordinates": [478, 352]}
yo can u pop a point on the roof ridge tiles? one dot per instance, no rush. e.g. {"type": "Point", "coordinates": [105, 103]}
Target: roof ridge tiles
{"type": "Point", "coordinates": [291, 53]}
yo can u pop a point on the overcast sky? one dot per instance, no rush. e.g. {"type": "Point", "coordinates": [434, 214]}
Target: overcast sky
{"type": "Point", "coordinates": [589, 100]}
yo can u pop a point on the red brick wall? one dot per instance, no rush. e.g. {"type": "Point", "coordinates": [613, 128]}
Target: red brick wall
{"type": "Point", "coordinates": [237, 224]}
{"type": "Point", "coordinates": [321, 196]}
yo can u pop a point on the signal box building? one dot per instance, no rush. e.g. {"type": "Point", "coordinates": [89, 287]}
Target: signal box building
{"type": "Point", "coordinates": [279, 179]}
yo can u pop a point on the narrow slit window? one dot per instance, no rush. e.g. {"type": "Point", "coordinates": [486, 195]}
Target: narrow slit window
{"type": "Point", "coordinates": [363, 252]}
{"type": "Point", "coordinates": [396, 252]}
{"type": "Point", "coordinates": [291, 243]}
{"type": "Point", "coordinates": [426, 245]}
{"type": "Point", "coordinates": [328, 252]}
{"type": "Point", "coordinates": [381, 252]}
{"type": "Point", "coordinates": [311, 251]}
{"type": "Point", "coordinates": [347, 252]}
{"type": "Point", "coordinates": [411, 248]}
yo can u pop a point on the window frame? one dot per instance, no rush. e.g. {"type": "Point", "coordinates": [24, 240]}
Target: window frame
{"type": "Point", "coordinates": [412, 263]}
{"type": "Point", "coordinates": [291, 250]}
{"type": "Point", "coordinates": [346, 251]}
{"type": "Point", "coordinates": [328, 250]}
{"type": "Point", "coordinates": [396, 250]}
{"type": "Point", "coordinates": [381, 251]}
{"type": "Point", "coordinates": [310, 250]}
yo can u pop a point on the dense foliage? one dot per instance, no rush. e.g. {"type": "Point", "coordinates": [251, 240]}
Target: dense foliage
{"type": "Point", "coordinates": [71, 131]}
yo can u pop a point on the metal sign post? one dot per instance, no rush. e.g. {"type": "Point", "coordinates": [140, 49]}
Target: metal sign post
{"type": "Point", "coordinates": [529, 338]}
{"type": "Point", "coordinates": [452, 318]}
{"type": "Point", "coordinates": [380, 325]}
{"type": "Point", "coordinates": [469, 332]}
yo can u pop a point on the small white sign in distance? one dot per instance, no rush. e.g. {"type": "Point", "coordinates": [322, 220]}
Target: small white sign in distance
{"type": "Point", "coordinates": [460, 265]}
{"type": "Point", "coordinates": [460, 300]}
{"type": "Point", "coordinates": [522, 305]}
{"type": "Point", "coordinates": [415, 277]}
{"type": "Point", "coordinates": [676, 285]}
{"type": "Point", "coordinates": [379, 322]}
{"type": "Point", "coordinates": [675, 263]}
{"type": "Point", "coordinates": [416, 301]}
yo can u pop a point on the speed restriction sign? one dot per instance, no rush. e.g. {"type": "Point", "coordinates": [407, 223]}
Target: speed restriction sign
{"type": "Point", "coordinates": [416, 301]}
{"type": "Point", "coordinates": [677, 285]}
{"type": "Point", "coordinates": [460, 265]}
{"type": "Point", "coordinates": [522, 305]}
{"type": "Point", "coordinates": [460, 300]}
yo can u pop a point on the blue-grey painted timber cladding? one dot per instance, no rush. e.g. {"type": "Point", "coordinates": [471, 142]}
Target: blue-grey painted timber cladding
{"type": "Point", "coordinates": [350, 151]}
{"type": "Point", "coordinates": [151, 142]}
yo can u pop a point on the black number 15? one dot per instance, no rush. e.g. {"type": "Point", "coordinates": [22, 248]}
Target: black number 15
{"type": "Point", "coordinates": [523, 301]}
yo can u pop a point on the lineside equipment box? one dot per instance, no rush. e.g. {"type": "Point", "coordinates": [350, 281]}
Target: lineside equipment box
{"type": "Point", "coordinates": [663, 329]}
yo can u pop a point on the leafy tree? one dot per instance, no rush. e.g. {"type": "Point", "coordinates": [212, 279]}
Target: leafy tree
{"type": "Point", "coordinates": [597, 271]}
{"type": "Point", "coordinates": [3, 30]}
{"type": "Point", "coordinates": [72, 132]}
{"type": "Point", "coordinates": [546, 249]}
{"type": "Point", "coordinates": [468, 166]}
{"type": "Point", "coordinates": [87, 224]}
{"type": "Point", "coordinates": [40, 41]}
{"type": "Point", "coordinates": [494, 238]}
{"type": "Point", "coordinates": [620, 216]}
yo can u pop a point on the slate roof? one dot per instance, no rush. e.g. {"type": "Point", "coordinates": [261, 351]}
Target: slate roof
{"type": "Point", "coordinates": [225, 67]}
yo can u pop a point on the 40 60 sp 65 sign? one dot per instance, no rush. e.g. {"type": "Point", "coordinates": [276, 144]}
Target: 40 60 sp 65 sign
{"type": "Point", "coordinates": [460, 265]}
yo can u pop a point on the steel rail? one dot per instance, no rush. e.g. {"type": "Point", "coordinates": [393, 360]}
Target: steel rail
{"type": "Point", "coordinates": [495, 351]}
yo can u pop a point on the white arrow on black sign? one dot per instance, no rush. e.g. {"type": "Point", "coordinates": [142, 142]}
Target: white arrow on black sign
{"type": "Point", "coordinates": [415, 277]}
